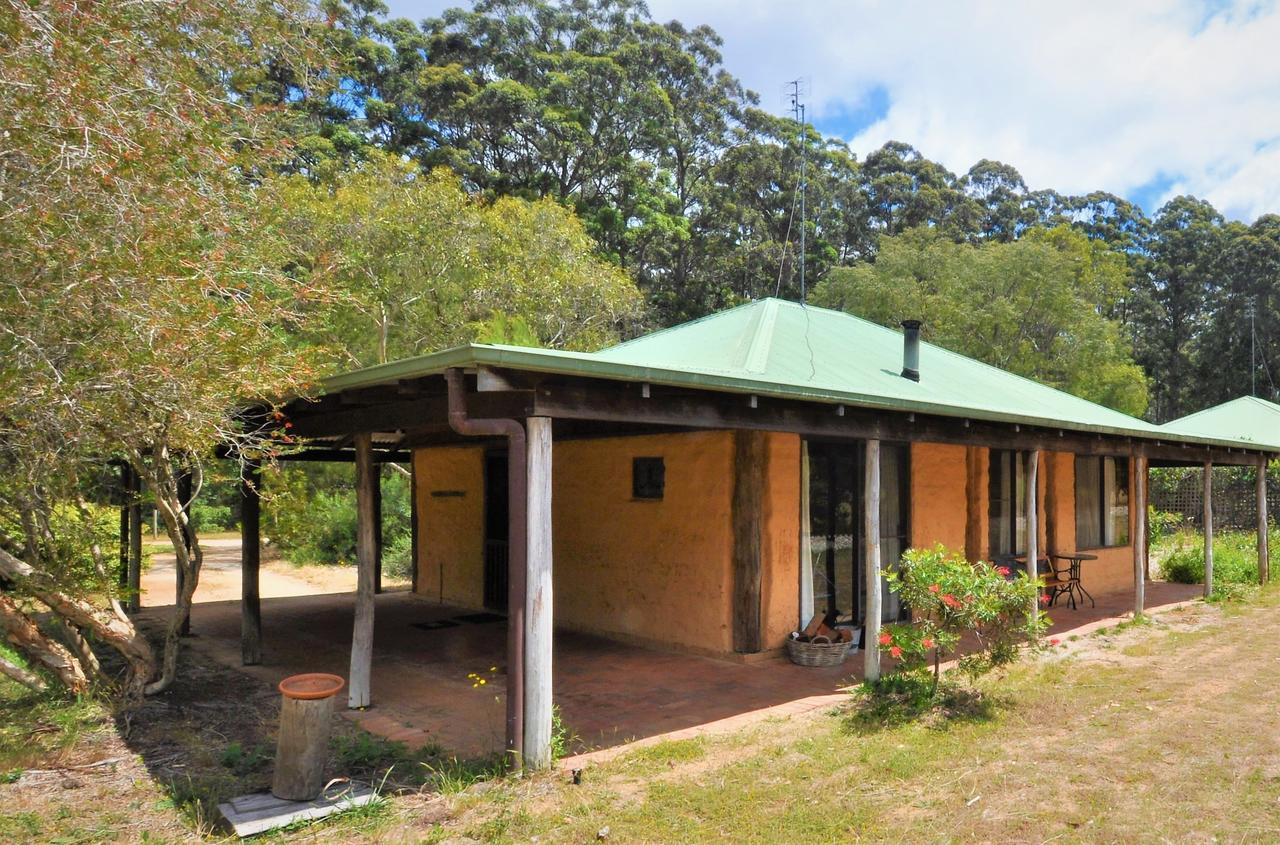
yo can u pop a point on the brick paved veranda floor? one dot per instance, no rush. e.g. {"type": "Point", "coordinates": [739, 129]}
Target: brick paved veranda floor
{"type": "Point", "coordinates": [608, 693]}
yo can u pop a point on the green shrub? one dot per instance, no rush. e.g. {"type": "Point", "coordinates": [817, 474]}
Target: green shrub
{"type": "Point", "coordinates": [311, 516]}
{"type": "Point", "coordinates": [212, 517]}
{"type": "Point", "coordinates": [1162, 524]}
{"type": "Point", "coordinates": [397, 558]}
{"type": "Point", "coordinates": [242, 761]}
{"type": "Point", "coordinates": [1235, 559]}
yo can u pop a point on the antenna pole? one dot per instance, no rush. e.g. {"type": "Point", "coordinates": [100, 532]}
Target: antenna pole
{"type": "Point", "coordinates": [1253, 352]}
{"type": "Point", "coordinates": [798, 113]}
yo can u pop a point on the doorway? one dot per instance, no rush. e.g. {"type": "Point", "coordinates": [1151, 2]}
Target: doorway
{"type": "Point", "coordinates": [497, 531]}
{"type": "Point", "coordinates": [837, 471]}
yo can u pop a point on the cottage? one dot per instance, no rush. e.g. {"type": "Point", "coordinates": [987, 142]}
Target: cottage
{"type": "Point", "coordinates": [709, 487]}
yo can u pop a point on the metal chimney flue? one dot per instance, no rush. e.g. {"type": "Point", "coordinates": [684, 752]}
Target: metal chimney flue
{"type": "Point", "coordinates": [911, 349]}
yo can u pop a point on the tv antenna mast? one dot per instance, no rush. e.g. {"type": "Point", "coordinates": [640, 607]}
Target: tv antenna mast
{"type": "Point", "coordinates": [797, 112]}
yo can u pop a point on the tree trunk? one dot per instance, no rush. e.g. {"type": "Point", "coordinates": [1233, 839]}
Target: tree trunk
{"type": "Point", "coordinates": [61, 631]}
{"type": "Point", "coordinates": [118, 633]}
{"type": "Point", "coordinates": [26, 637]}
{"type": "Point", "coordinates": [160, 475]}
{"type": "Point", "coordinates": [22, 676]}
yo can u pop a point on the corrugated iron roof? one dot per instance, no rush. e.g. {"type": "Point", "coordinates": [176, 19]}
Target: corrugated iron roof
{"type": "Point", "coordinates": [783, 349]}
{"type": "Point", "coordinates": [1248, 418]}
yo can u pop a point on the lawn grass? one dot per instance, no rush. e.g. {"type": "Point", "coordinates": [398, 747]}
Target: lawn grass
{"type": "Point", "coordinates": [1140, 737]}
{"type": "Point", "coordinates": [1164, 731]}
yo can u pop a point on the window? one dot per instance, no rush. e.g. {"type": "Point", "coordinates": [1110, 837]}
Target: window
{"type": "Point", "coordinates": [648, 478]}
{"type": "Point", "coordinates": [1102, 502]}
{"type": "Point", "coordinates": [1007, 503]}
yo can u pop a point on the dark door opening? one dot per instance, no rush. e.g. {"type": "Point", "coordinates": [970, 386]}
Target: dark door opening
{"type": "Point", "coordinates": [836, 480]}
{"type": "Point", "coordinates": [497, 529]}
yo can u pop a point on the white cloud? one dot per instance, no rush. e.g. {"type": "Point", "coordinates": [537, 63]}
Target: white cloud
{"type": "Point", "coordinates": [1115, 95]}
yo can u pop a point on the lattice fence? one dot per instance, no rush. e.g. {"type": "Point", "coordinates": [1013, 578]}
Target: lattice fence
{"type": "Point", "coordinates": [1181, 490]}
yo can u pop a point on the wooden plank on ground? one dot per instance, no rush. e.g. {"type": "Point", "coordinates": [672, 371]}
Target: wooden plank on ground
{"type": "Point", "coordinates": [258, 813]}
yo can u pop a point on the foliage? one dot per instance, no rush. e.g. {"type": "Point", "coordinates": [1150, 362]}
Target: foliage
{"type": "Point", "coordinates": [950, 598]}
{"type": "Point", "coordinates": [417, 264]}
{"type": "Point", "coordinates": [310, 515]}
{"type": "Point", "coordinates": [563, 738]}
{"type": "Point", "coordinates": [380, 760]}
{"type": "Point", "coordinates": [241, 761]}
{"type": "Point", "coordinates": [906, 696]}
{"type": "Point", "coordinates": [397, 557]}
{"type": "Point", "coordinates": [1162, 524]}
{"type": "Point", "coordinates": [1235, 559]}
{"type": "Point", "coordinates": [1036, 306]}
{"type": "Point", "coordinates": [141, 300]}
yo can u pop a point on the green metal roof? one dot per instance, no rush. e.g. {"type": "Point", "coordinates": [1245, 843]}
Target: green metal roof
{"type": "Point", "coordinates": [1248, 418]}
{"type": "Point", "coordinates": [783, 349]}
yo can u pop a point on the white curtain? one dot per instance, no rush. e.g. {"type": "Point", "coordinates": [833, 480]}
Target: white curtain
{"type": "Point", "coordinates": [1088, 507]}
{"type": "Point", "coordinates": [806, 541]}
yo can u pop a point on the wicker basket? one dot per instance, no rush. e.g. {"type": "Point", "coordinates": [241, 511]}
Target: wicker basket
{"type": "Point", "coordinates": [821, 652]}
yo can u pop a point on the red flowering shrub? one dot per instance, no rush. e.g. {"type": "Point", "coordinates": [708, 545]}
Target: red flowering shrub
{"type": "Point", "coordinates": [950, 598]}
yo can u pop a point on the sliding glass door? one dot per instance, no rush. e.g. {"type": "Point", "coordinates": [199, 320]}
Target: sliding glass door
{"type": "Point", "coordinates": [838, 553]}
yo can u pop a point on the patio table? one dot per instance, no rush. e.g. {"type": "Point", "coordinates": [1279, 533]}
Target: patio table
{"type": "Point", "coordinates": [1074, 588]}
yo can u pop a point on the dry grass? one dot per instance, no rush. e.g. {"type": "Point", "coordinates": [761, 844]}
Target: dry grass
{"type": "Point", "coordinates": [1158, 732]}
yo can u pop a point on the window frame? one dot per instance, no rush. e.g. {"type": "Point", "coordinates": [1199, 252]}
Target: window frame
{"type": "Point", "coordinates": [1014, 460]}
{"type": "Point", "coordinates": [648, 478]}
{"type": "Point", "coordinates": [1105, 524]}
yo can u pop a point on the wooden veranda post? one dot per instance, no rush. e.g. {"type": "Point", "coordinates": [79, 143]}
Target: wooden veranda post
{"type": "Point", "coordinates": [414, 535]}
{"type": "Point", "coordinates": [1139, 534]}
{"type": "Point", "coordinates": [1208, 528]}
{"type": "Point", "coordinates": [184, 496]}
{"type": "Point", "coordinates": [973, 503]}
{"type": "Point", "coordinates": [538, 599]}
{"type": "Point", "coordinates": [135, 548]}
{"type": "Point", "coordinates": [125, 502]}
{"type": "Point", "coordinates": [748, 505]}
{"type": "Point", "coordinates": [1264, 562]}
{"type": "Point", "coordinates": [377, 529]}
{"type": "Point", "coordinates": [250, 563]}
{"type": "Point", "coordinates": [871, 534]}
{"type": "Point", "coordinates": [366, 551]}
{"type": "Point", "coordinates": [1033, 525]}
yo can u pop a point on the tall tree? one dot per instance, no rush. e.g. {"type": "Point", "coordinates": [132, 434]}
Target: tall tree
{"type": "Point", "coordinates": [1172, 297]}
{"type": "Point", "coordinates": [416, 264]}
{"type": "Point", "coordinates": [1033, 306]}
{"type": "Point", "coordinates": [140, 302]}
{"type": "Point", "coordinates": [905, 190]}
{"type": "Point", "coordinates": [1004, 198]}
{"type": "Point", "coordinates": [1238, 351]}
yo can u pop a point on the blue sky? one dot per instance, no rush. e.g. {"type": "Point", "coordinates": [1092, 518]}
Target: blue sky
{"type": "Point", "coordinates": [1141, 98]}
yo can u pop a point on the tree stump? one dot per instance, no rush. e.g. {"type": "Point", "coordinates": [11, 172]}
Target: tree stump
{"type": "Point", "coordinates": [305, 714]}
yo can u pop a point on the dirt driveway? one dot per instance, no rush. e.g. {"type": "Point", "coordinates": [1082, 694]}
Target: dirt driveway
{"type": "Point", "coordinates": [220, 576]}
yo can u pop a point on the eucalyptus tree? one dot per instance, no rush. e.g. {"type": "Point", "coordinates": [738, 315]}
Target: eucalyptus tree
{"type": "Point", "coordinates": [415, 264]}
{"type": "Point", "coordinates": [1173, 295]}
{"type": "Point", "coordinates": [141, 300]}
{"type": "Point", "coordinates": [1035, 306]}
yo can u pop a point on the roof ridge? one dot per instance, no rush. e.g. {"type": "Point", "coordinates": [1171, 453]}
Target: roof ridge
{"type": "Point", "coordinates": [757, 352]}
{"type": "Point", "coordinates": [705, 317]}
{"type": "Point", "coordinates": [1194, 414]}
{"type": "Point", "coordinates": [1266, 403]}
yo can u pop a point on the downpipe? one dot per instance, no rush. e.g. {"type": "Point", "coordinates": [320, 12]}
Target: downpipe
{"type": "Point", "coordinates": [517, 550]}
